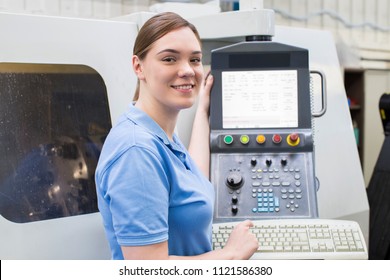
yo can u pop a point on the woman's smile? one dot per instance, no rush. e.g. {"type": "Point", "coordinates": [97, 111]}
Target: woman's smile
{"type": "Point", "coordinates": [184, 88]}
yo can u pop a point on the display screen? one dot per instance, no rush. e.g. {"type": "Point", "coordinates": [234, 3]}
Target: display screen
{"type": "Point", "coordinates": [260, 99]}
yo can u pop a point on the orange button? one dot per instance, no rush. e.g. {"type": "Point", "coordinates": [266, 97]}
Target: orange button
{"type": "Point", "coordinates": [260, 139]}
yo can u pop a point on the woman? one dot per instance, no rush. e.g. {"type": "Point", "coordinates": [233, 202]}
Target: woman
{"type": "Point", "coordinates": [155, 199]}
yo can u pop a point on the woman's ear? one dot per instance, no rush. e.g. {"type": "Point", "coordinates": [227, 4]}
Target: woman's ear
{"type": "Point", "coordinates": [137, 67]}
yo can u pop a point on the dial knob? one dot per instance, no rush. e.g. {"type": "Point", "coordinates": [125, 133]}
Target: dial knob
{"type": "Point", "coordinates": [234, 180]}
{"type": "Point", "coordinates": [268, 161]}
{"type": "Point", "coordinates": [234, 199]}
{"type": "Point", "coordinates": [253, 161]}
{"type": "Point", "coordinates": [234, 209]}
{"type": "Point", "coordinates": [283, 161]}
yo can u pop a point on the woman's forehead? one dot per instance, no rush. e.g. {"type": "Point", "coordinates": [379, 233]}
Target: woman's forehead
{"type": "Point", "coordinates": [178, 40]}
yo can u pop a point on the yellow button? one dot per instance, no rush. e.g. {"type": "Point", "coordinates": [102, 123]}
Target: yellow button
{"type": "Point", "coordinates": [244, 139]}
{"type": "Point", "coordinates": [260, 139]}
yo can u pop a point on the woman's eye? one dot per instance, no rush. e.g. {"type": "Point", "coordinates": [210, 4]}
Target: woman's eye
{"type": "Point", "coordinates": [169, 59]}
{"type": "Point", "coordinates": [196, 60]}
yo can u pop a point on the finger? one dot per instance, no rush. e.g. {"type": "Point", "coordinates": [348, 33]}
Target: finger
{"type": "Point", "coordinates": [248, 223]}
{"type": "Point", "coordinates": [245, 224]}
{"type": "Point", "coordinates": [207, 75]}
{"type": "Point", "coordinates": [209, 80]}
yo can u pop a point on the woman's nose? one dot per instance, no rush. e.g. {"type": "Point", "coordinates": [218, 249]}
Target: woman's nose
{"type": "Point", "coordinates": [186, 70]}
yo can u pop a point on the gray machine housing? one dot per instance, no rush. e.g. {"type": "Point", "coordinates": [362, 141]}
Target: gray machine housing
{"type": "Point", "coordinates": [269, 180]}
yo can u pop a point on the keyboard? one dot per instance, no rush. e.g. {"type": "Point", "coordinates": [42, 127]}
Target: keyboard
{"type": "Point", "coordinates": [301, 239]}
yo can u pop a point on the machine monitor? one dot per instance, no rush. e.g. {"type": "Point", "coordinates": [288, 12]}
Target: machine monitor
{"type": "Point", "coordinates": [269, 98]}
{"type": "Point", "coordinates": [262, 151]}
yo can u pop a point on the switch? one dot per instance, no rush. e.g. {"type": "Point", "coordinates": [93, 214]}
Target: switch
{"type": "Point", "coordinates": [260, 139]}
{"type": "Point", "coordinates": [293, 139]}
{"type": "Point", "coordinates": [228, 139]}
{"type": "Point", "coordinates": [253, 161]}
{"type": "Point", "coordinates": [244, 139]}
{"type": "Point", "coordinates": [277, 138]}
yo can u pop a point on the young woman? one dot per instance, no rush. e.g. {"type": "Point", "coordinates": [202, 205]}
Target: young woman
{"type": "Point", "coordinates": [153, 194]}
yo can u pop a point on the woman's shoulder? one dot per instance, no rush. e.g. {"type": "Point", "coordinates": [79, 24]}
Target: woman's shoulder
{"type": "Point", "coordinates": [128, 140]}
{"type": "Point", "coordinates": [127, 134]}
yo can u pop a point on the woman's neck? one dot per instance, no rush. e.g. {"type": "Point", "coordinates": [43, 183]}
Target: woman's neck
{"type": "Point", "coordinates": [165, 118]}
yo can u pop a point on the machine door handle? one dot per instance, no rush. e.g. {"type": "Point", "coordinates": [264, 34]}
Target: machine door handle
{"type": "Point", "coordinates": [323, 94]}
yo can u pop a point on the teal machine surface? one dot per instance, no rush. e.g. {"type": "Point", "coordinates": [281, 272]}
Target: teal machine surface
{"type": "Point", "coordinates": [261, 138]}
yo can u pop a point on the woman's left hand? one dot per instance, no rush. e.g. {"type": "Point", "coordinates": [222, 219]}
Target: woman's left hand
{"type": "Point", "coordinates": [204, 94]}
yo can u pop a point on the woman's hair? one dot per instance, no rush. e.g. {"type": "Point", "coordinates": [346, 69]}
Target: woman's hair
{"type": "Point", "coordinates": [155, 28]}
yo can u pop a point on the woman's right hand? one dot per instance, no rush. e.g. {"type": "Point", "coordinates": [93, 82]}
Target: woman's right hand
{"type": "Point", "coordinates": [242, 243]}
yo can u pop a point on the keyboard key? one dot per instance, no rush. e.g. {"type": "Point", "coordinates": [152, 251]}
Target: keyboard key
{"type": "Point", "coordinates": [266, 249]}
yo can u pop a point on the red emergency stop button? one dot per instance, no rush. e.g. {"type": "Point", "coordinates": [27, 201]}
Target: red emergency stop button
{"type": "Point", "coordinates": [293, 139]}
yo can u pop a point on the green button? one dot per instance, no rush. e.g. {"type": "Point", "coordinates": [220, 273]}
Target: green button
{"type": "Point", "coordinates": [228, 139]}
{"type": "Point", "coordinates": [244, 139]}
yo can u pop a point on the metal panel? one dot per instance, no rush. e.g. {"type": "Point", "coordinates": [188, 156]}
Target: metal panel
{"type": "Point", "coordinates": [103, 46]}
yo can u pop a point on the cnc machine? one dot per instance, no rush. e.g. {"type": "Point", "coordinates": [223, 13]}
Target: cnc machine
{"type": "Point", "coordinates": [57, 218]}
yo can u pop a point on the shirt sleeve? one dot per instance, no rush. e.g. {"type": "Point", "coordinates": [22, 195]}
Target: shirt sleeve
{"type": "Point", "coordinates": [138, 194]}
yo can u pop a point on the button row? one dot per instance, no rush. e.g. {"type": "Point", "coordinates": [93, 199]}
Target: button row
{"type": "Point", "coordinates": [292, 139]}
{"type": "Point", "coordinates": [274, 184]}
{"type": "Point", "coordinates": [276, 170]}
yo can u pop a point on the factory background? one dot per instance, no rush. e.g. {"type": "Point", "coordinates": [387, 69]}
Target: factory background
{"type": "Point", "coordinates": [361, 30]}
{"type": "Point", "coordinates": [361, 23]}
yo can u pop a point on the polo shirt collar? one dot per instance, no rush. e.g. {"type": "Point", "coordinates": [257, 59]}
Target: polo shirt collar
{"type": "Point", "coordinates": [142, 119]}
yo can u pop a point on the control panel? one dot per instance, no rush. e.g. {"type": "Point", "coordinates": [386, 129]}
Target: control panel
{"type": "Point", "coordinates": [261, 140]}
{"type": "Point", "coordinates": [261, 185]}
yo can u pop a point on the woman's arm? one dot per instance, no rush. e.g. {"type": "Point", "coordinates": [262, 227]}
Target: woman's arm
{"type": "Point", "coordinates": [199, 146]}
{"type": "Point", "coordinates": [242, 244]}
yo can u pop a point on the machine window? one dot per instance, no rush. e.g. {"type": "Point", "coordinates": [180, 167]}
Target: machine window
{"type": "Point", "coordinates": [53, 122]}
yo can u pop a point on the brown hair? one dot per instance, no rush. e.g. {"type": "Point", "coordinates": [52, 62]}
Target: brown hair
{"type": "Point", "coordinates": [155, 28]}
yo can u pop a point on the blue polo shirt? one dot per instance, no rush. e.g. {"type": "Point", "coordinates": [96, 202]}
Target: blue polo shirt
{"type": "Point", "coordinates": [150, 190]}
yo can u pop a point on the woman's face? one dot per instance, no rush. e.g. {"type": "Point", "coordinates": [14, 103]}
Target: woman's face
{"type": "Point", "coordinates": [172, 71]}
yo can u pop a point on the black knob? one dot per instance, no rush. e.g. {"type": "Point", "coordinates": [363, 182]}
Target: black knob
{"type": "Point", "coordinates": [234, 199]}
{"type": "Point", "coordinates": [253, 161]}
{"type": "Point", "coordinates": [234, 209]}
{"type": "Point", "coordinates": [234, 180]}
{"type": "Point", "coordinates": [268, 162]}
{"type": "Point", "coordinates": [283, 161]}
